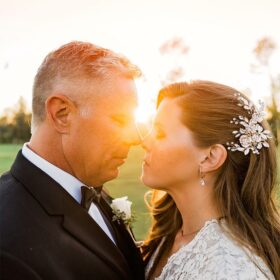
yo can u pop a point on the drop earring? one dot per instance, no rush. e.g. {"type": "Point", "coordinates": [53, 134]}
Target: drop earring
{"type": "Point", "coordinates": [201, 178]}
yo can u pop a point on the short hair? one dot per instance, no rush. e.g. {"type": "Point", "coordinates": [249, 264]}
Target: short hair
{"type": "Point", "coordinates": [72, 61]}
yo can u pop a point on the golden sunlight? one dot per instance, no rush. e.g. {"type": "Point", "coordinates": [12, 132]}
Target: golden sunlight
{"type": "Point", "coordinates": [144, 113]}
{"type": "Point", "coordinates": [146, 109]}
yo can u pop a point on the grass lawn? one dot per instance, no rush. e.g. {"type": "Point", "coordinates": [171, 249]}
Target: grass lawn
{"type": "Point", "coordinates": [127, 184]}
{"type": "Point", "coordinates": [7, 156]}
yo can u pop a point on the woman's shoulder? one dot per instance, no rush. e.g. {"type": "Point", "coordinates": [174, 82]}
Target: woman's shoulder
{"type": "Point", "coordinates": [214, 254]}
{"type": "Point", "coordinates": [226, 258]}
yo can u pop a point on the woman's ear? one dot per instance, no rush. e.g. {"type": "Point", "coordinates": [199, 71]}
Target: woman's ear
{"type": "Point", "coordinates": [59, 109]}
{"type": "Point", "coordinates": [215, 158]}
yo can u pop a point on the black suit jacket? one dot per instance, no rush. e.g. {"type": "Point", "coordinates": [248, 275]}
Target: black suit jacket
{"type": "Point", "coordinates": [46, 234]}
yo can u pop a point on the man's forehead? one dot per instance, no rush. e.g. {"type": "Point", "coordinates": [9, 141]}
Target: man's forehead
{"type": "Point", "coordinates": [118, 96]}
{"type": "Point", "coordinates": [121, 106]}
{"type": "Point", "coordinates": [118, 101]}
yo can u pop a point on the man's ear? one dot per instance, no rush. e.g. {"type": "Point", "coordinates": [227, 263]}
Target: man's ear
{"type": "Point", "coordinates": [215, 158]}
{"type": "Point", "coordinates": [59, 109]}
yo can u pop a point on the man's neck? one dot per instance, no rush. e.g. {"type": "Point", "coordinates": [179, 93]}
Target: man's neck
{"type": "Point", "coordinates": [48, 146]}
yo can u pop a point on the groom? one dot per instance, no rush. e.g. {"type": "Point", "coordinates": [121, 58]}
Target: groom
{"type": "Point", "coordinates": [56, 222]}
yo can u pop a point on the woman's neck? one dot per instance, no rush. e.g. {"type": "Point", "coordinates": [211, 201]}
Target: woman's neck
{"type": "Point", "coordinates": [196, 205]}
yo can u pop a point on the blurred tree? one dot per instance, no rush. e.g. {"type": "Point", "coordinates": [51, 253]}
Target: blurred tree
{"type": "Point", "coordinates": [15, 128]}
{"type": "Point", "coordinates": [263, 51]}
{"type": "Point", "coordinates": [175, 49]}
{"type": "Point", "coordinates": [21, 122]}
{"type": "Point", "coordinates": [6, 130]}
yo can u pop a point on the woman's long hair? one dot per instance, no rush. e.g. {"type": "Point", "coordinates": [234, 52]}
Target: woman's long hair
{"type": "Point", "coordinates": [245, 185]}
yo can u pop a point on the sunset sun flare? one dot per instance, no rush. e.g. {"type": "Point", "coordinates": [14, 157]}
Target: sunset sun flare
{"type": "Point", "coordinates": [144, 113]}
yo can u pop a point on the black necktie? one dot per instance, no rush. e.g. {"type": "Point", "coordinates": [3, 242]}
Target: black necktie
{"type": "Point", "coordinates": [89, 195]}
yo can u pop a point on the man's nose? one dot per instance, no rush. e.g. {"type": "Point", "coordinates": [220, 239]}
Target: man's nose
{"type": "Point", "coordinates": [134, 138]}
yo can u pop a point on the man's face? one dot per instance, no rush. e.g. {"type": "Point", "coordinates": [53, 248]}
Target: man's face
{"type": "Point", "coordinates": [102, 131]}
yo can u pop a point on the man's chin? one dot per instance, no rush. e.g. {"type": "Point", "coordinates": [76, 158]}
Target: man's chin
{"type": "Point", "coordinates": [113, 174]}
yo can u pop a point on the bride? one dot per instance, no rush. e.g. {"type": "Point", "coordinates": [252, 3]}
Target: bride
{"type": "Point", "coordinates": [211, 154]}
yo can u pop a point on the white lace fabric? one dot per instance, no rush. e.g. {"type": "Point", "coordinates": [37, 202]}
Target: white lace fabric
{"type": "Point", "coordinates": [212, 255]}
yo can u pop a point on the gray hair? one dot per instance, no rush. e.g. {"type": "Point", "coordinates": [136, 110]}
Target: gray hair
{"type": "Point", "coordinates": [72, 62]}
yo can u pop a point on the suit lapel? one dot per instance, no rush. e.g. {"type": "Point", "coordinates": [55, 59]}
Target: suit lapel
{"type": "Point", "coordinates": [119, 227]}
{"type": "Point", "coordinates": [93, 237]}
{"type": "Point", "coordinates": [56, 201]}
{"type": "Point", "coordinates": [124, 240]}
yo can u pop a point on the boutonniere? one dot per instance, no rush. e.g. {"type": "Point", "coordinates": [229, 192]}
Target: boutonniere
{"type": "Point", "coordinates": [121, 208]}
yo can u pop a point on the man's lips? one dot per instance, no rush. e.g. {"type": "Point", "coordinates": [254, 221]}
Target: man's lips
{"type": "Point", "coordinates": [121, 159]}
{"type": "Point", "coordinates": [121, 156]}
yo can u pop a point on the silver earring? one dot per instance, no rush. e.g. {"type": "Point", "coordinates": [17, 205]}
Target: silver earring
{"type": "Point", "coordinates": [201, 178]}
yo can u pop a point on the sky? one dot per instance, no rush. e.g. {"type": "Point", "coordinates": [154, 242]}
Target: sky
{"type": "Point", "coordinates": [220, 35]}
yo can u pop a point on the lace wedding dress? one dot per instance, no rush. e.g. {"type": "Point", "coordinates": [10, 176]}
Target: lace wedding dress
{"type": "Point", "coordinates": [212, 255]}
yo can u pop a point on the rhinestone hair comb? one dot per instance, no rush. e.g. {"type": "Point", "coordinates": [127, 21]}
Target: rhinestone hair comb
{"type": "Point", "coordinates": [251, 135]}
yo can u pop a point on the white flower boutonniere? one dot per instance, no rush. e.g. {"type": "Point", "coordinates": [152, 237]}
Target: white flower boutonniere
{"type": "Point", "coordinates": [122, 210]}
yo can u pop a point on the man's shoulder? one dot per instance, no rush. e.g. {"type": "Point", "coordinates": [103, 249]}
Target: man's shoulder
{"type": "Point", "coordinates": [22, 216]}
{"type": "Point", "coordinates": [15, 200]}
{"type": "Point", "coordinates": [8, 184]}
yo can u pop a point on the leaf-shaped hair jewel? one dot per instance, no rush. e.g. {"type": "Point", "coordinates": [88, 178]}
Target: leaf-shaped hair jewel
{"type": "Point", "coordinates": [251, 135]}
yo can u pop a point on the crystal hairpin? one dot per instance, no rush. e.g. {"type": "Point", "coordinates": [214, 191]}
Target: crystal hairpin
{"type": "Point", "coordinates": [252, 136]}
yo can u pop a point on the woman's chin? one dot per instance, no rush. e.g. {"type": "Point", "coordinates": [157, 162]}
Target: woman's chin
{"type": "Point", "coordinates": [149, 182]}
{"type": "Point", "coordinates": [145, 179]}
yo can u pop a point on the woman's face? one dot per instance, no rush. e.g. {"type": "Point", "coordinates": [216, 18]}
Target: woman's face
{"type": "Point", "coordinates": [172, 159]}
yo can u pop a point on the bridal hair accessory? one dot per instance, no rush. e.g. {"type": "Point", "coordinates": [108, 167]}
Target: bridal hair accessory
{"type": "Point", "coordinates": [251, 135]}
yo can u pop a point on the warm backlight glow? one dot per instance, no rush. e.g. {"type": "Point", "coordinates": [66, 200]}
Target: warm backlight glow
{"type": "Point", "coordinates": [144, 116]}
{"type": "Point", "coordinates": [146, 109]}
{"type": "Point", "coordinates": [144, 113]}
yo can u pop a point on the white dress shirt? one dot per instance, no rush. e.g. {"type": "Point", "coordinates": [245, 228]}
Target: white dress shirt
{"type": "Point", "coordinates": [71, 184]}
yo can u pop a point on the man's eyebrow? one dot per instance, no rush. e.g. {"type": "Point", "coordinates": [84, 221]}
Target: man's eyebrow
{"type": "Point", "coordinates": [122, 116]}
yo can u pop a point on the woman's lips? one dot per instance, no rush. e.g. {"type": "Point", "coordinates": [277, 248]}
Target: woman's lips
{"type": "Point", "coordinates": [146, 162]}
